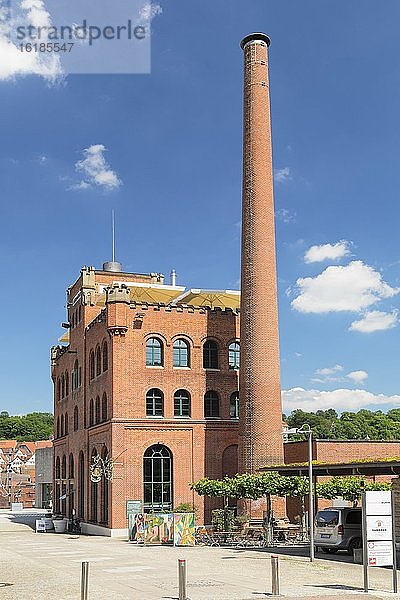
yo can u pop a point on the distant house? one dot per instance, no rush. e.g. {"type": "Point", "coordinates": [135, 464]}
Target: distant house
{"type": "Point", "coordinates": [17, 466]}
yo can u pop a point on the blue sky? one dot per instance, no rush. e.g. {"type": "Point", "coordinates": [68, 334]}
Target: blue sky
{"type": "Point", "coordinates": [172, 164]}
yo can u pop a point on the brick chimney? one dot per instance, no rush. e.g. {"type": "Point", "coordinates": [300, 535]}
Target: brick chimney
{"type": "Point", "coordinates": [260, 408]}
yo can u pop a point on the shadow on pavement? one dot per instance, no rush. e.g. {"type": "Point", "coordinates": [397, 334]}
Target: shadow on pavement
{"type": "Point", "coordinates": [28, 519]}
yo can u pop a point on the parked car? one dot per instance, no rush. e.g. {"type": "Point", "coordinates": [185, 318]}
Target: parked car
{"type": "Point", "coordinates": [338, 529]}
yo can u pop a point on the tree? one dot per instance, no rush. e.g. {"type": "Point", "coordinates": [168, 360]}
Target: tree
{"type": "Point", "coordinates": [28, 428]}
{"type": "Point", "coordinates": [349, 488]}
{"type": "Point", "coordinates": [364, 424]}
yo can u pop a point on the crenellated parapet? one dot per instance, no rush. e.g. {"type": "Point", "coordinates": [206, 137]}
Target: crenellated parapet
{"type": "Point", "coordinates": [88, 286]}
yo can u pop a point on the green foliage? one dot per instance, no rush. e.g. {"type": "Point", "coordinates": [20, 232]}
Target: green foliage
{"type": "Point", "coordinates": [185, 507]}
{"type": "Point", "coordinates": [349, 488]}
{"type": "Point", "coordinates": [252, 486]}
{"type": "Point", "coordinates": [364, 424]}
{"type": "Point", "coordinates": [27, 428]}
{"type": "Point", "coordinates": [223, 519]}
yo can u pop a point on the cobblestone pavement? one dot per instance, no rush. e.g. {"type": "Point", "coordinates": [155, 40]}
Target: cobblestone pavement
{"type": "Point", "coordinates": [47, 566]}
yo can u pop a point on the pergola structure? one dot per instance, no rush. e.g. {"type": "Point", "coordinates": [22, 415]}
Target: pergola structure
{"type": "Point", "coordinates": [367, 468]}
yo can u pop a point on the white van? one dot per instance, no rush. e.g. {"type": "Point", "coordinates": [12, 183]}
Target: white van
{"type": "Point", "coordinates": [338, 529]}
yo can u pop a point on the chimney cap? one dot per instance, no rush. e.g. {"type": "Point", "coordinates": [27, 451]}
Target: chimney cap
{"type": "Point", "coordinates": [253, 37]}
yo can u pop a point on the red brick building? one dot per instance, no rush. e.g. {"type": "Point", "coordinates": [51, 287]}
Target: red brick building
{"type": "Point", "coordinates": [150, 379]}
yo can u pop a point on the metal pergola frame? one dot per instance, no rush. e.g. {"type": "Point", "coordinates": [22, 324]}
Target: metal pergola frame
{"type": "Point", "coordinates": [369, 469]}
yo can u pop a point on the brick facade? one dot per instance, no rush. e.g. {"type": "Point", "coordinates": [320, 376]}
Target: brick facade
{"type": "Point", "coordinates": [102, 409]}
{"type": "Point", "coordinates": [337, 451]}
{"type": "Point", "coordinates": [260, 433]}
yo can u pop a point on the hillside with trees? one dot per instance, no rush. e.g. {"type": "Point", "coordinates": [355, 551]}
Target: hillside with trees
{"type": "Point", "coordinates": [361, 425]}
{"type": "Point", "coordinates": [26, 428]}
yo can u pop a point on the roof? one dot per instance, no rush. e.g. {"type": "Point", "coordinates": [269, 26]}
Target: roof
{"type": "Point", "coordinates": [155, 293]}
{"type": "Point", "coordinates": [210, 298]}
{"type": "Point", "coordinates": [386, 466]}
{"type": "Point", "coordinates": [146, 293]}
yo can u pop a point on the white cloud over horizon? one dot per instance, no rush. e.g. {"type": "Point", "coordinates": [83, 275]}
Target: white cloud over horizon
{"type": "Point", "coordinates": [96, 170]}
{"type": "Point", "coordinates": [327, 252]}
{"type": "Point", "coordinates": [376, 320]}
{"type": "Point", "coordinates": [339, 399]}
{"type": "Point", "coordinates": [352, 288]}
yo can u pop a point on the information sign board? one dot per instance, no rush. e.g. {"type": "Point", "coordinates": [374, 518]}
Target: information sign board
{"type": "Point", "coordinates": [378, 503]}
{"type": "Point", "coordinates": [380, 554]}
{"type": "Point", "coordinates": [133, 507]}
{"type": "Point", "coordinates": [379, 527]}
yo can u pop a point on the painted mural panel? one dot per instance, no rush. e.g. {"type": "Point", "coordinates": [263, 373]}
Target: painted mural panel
{"type": "Point", "coordinates": [184, 529]}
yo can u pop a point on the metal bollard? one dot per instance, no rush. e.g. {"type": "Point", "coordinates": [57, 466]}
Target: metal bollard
{"type": "Point", "coordinates": [275, 574]}
{"type": "Point", "coordinates": [182, 578]}
{"type": "Point", "coordinates": [84, 581]}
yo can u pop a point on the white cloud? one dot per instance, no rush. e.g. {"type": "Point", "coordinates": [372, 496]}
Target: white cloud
{"type": "Point", "coordinates": [285, 215]}
{"type": "Point", "coordinates": [282, 175]}
{"type": "Point", "coordinates": [150, 10]}
{"type": "Point", "coordinates": [298, 354]}
{"type": "Point", "coordinates": [327, 252]}
{"type": "Point", "coordinates": [357, 376]}
{"type": "Point", "coordinates": [340, 399]}
{"type": "Point", "coordinates": [13, 62]}
{"type": "Point", "coordinates": [329, 370]}
{"type": "Point", "coordinates": [96, 170]}
{"type": "Point", "coordinates": [342, 288]}
{"type": "Point", "coordinates": [375, 320]}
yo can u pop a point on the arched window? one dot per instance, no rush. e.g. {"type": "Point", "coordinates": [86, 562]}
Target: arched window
{"type": "Point", "coordinates": [98, 361]}
{"type": "Point", "coordinates": [97, 409]}
{"type": "Point", "coordinates": [154, 352]}
{"type": "Point", "coordinates": [66, 423]}
{"type": "Point", "coordinates": [72, 320]}
{"type": "Point", "coordinates": [93, 496]}
{"type": "Point", "coordinates": [181, 353]}
{"type": "Point", "coordinates": [76, 376]}
{"type": "Point", "coordinates": [66, 383]}
{"type": "Point", "coordinates": [91, 413]}
{"type": "Point", "coordinates": [62, 426]}
{"type": "Point", "coordinates": [58, 389]}
{"type": "Point", "coordinates": [230, 461]}
{"type": "Point", "coordinates": [105, 356]}
{"type": "Point", "coordinates": [182, 403]}
{"type": "Point", "coordinates": [210, 355]}
{"type": "Point", "coordinates": [76, 419]}
{"type": "Point", "coordinates": [91, 365]}
{"type": "Point", "coordinates": [154, 403]}
{"type": "Point", "coordinates": [62, 386]}
{"type": "Point", "coordinates": [80, 313]}
{"type": "Point", "coordinates": [71, 466]}
{"type": "Point", "coordinates": [57, 490]}
{"type": "Point", "coordinates": [64, 467]}
{"type": "Point", "coordinates": [234, 405]}
{"type": "Point", "coordinates": [104, 407]}
{"type": "Point", "coordinates": [58, 427]}
{"type": "Point", "coordinates": [234, 356]}
{"type": "Point", "coordinates": [81, 489]}
{"type": "Point", "coordinates": [58, 469]}
{"type": "Point", "coordinates": [157, 468]}
{"type": "Point", "coordinates": [104, 491]}
{"type": "Point", "coordinates": [211, 404]}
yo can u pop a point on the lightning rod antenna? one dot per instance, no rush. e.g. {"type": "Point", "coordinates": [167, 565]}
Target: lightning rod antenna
{"type": "Point", "coordinates": [113, 234]}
